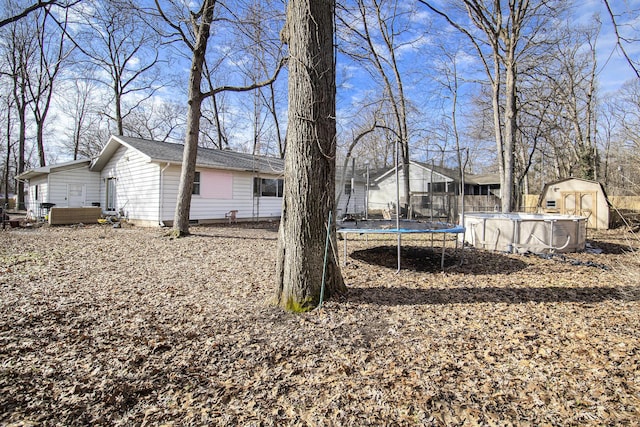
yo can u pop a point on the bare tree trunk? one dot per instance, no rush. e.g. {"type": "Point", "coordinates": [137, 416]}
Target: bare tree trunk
{"type": "Point", "coordinates": [221, 140]}
{"type": "Point", "coordinates": [497, 125]}
{"type": "Point", "coordinates": [510, 133]}
{"type": "Point", "coordinates": [310, 159]}
{"type": "Point", "coordinates": [276, 122]}
{"type": "Point", "coordinates": [201, 28]}
{"type": "Point", "coordinates": [42, 89]}
{"type": "Point", "coordinates": [22, 144]}
{"type": "Point", "coordinates": [190, 152]}
{"type": "Point", "coordinates": [5, 177]}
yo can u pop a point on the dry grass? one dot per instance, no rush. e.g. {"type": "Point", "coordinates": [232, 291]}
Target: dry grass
{"type": "Point", "coordinates": [126, 326]}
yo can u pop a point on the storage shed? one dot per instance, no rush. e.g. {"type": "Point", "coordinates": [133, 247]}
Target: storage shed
{"type": "Point", "coordinates": [576, 196]}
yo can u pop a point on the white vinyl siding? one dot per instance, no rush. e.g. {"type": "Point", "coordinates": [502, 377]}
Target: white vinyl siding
{"type": "Point", "coordinates": [212, 208]}
{"type": "Point", "coordinates": [33, 204]}
{"type": "Point", "coordinates": [384, 194]}
{"type": "Point", "coordinates": [54, 187]}
{"type": "Point", "coordinates": [146, 191]}
{"type": "Point", "coordinates": [59, 186]}
{"type": "Point", "coordinates": [137, 185]}
{"type": "Point", "coordinates": [356, 201]}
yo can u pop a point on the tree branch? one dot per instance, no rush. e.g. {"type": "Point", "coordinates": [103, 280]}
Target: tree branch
{"type": "Point", "coordinates": [27, 11]}
{"type": "Point", "coordinates": [619, 38]}
{"type": "Point", "coordinates": [257, 85]}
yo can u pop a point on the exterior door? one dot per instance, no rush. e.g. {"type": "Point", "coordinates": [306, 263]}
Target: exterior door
{"type": "Point", "coordinates": [581, 204]}
{"type": "Point", "coordinates": [75, 195]}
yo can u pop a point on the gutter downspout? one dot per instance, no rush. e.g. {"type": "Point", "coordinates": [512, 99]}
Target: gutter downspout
{"type": "Point", "coordinates": [160, 195]}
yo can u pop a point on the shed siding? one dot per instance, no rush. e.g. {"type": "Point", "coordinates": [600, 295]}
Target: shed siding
{"type": "Point", "coordinates": [596, 210]}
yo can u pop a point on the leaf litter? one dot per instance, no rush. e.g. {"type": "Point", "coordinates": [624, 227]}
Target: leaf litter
{"type": "Point", "coordinates": [126, 326]}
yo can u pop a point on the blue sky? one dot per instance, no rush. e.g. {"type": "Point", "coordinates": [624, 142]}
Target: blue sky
{"type": "Point", "coordinates": [420, 75]}
{"type": "Point", "coordinates": [420, 57]}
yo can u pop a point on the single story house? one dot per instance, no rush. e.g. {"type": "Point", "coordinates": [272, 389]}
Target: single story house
{"type": "Point", "coordinates": [67, 185]}
{"type": "Point", "coordinates": [138, 179]}
{"type": "Point", "coordinates": [435, 191]}
{"type": "Point", "coordinates": [576, 196]}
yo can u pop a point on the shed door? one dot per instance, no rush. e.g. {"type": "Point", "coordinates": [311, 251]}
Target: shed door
{"type": "Point", "coordinates": [582, 204]}
{"type": "Point", "coordinates": [75, 195]}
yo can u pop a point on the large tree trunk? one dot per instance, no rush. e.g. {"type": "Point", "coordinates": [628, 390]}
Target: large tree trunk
{"type": "Point", "coordinates": [309, 193]}
{"type": "Point", "coordinates": [189, 156]}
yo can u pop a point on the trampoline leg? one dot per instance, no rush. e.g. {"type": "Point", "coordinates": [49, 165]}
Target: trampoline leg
{"type": "Point", "coordinates": [399, 246]}
{"type": "Point", "coordinates": [443, 243]}
{"type": "Point", "coordinates": [344, 261]}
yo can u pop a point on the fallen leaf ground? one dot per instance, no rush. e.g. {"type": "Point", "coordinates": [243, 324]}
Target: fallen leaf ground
{"type": "Point", "coordinates": [104, 326]}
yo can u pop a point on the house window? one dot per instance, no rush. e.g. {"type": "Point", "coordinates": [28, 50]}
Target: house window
{"type": "Point", "coordinates": [36, 193]}
{"type": "Point", "coordinates": [111, 194]}
{"type": "Point", "coordinates": [551, 204]}
{"type": "Point", "coordinates": [196, 184]}
{"type": "Point", "coordinates": [264, 187]}
{"type": "Point", "coordinates": [347, 189]}
{"type": "Point", "coordinates": [438, 187]}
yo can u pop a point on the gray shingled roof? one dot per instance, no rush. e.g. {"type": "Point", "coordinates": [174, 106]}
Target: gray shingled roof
{"type": "Point", "coordinates": [221, 159]}
{"type": "Point", "coordinates": [449, 173]}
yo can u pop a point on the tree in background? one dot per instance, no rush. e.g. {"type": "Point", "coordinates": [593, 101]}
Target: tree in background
{"type": "Point", "coordinates": [19, 51]}
{"type": "Point", "coordinates": [259, 38]}
{"type": "Point", "coordinates": [53, 51]}
{"type": "Point", "coordinates": [116, 39]}
{"type": "Point", "coordinates": [625, 27]}
{"type": "Point", "coordinates": [7, 146]}
{"type": "Point", "coordinates": [573, 66]}
{"type": "Point", "coordinates": [373, 33]}
{"type": "Point", "coordinates": [81, 110]}
{"type": "Point", "coordinates": [509, 32]}
{"type": "Point", "coordinates": [625, 153]}
{"type": "Point", "coordinates": [309, 195]}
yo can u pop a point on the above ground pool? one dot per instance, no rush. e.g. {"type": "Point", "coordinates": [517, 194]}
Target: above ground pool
{"type": "Point", "coordinates": [524, 232]}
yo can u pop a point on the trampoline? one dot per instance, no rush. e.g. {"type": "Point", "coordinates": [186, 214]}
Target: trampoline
{"type": "Point", "coordinates": [399, 227]}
